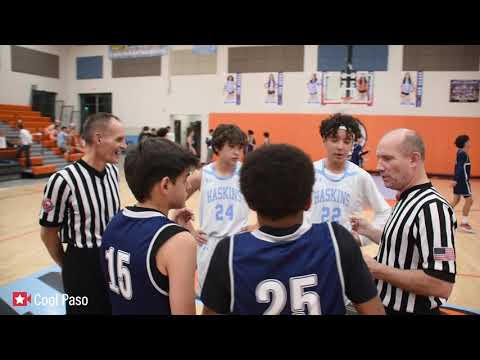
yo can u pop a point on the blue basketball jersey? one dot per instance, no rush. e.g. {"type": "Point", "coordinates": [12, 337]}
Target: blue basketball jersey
{"type": "Point", "coordinates": [129, 246]}
{"type": "Point", "coordinates": [300, 273]}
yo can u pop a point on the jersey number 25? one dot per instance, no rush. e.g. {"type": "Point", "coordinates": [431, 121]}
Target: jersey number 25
{"type": "Point", "coordinates": [274, 292]}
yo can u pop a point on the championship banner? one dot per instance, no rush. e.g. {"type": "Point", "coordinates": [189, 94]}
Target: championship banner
{"type": "Point", "coordinates": [232, 89]}
{"type": "Point", "coordinates": [274, 89]}
{"type": "Point", "coordinates": [411, 89]}
{"type": "Point", "coordinates": [314, 87]}
{"type": "Point", "coordinates": [137, 51]}
{"type": "Point", "coordinates": [280, 88]}
{"type": "Point", "coordinates": [464, 91]}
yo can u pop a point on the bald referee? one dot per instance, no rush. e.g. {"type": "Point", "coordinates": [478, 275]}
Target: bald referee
{"type": "Point", "coordinates": [78, 203]}
{"type": "Point", "coordinates": [415, 267]}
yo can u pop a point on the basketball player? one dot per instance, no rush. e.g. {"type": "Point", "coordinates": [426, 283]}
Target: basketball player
{"type": "Point", "coordinates": [287, 266]}
{"type": "Point", "coordinates": [461, 186]}
{"type": "Point", "coordinates": [342, 188]}
{"type": "Point", "coordinates": [223, 210]}
{"type": "Point", "coordinates": [147, 259]}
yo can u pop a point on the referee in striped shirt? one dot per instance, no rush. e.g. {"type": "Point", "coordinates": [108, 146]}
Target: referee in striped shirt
{"type": "Point", "coordinates": [78, 203]}
{"type": "Point", "coordinates": [415, 266]}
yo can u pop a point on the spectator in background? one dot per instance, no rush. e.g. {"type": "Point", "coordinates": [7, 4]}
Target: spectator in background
{"type": "Point", "coordinates": [191, 141]}
{"type": "Point", "coordinates": [145, 131]}
{"type": "Point", "coordinates": [208, 140]}
{"type": "Point", "coordinates": [25, 143]}
{"type": "Point", "coordinates": [62, 139]}
{"type": "Point", "coordinates": [251, 143]}
{"type": "Point", "coordinates": [170, 135]}
{"type": "Point", "coordinates": [162, 133]}
{"type": "Point", "coordinates": [3, 139]}
{"type": "Point", "coordinates": [266, 138]}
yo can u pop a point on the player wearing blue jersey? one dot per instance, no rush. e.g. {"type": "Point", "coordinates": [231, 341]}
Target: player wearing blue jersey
{"type": "Point", "coordinates": [149, 260]}
{"type": "Point", "coordinates": [288, 265]}
{"type": "Point", "coordinates": [461, 185]}
{"type": "Point", "coordinates": [342, 188]}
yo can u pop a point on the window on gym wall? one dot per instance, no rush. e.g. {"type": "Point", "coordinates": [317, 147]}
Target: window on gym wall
{"type": "Point", "coordinates": [94, 103]}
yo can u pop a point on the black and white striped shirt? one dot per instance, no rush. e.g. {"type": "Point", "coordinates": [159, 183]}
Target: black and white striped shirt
{"type": "Point", "coordinates": [419, 235]}
{"type": "Point", "coordinates": [81, 201]}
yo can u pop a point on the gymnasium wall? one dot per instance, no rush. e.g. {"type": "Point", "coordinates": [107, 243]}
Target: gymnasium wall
{"type": "Point", "coordinates": [15, 87]}
{"type": "Point", "coordinates": [150, 100]}
{"type": "Point", "coordinates": [302, 130]}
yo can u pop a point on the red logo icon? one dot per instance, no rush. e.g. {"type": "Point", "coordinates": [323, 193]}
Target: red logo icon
{"type": "Point", "coordinates": [21, 298]}
{"type": "Point", "coordinates": [47, 205]}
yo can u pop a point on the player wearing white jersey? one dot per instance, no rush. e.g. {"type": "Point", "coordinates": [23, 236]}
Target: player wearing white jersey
{"type": "Point", "coordinates": [223, 210]}
{"type": "Point", "coordinates": [341, 188]}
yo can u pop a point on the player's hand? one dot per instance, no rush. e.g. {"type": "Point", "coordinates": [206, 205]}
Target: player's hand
{"type": "Point", "coordinates": [372, 264]}
{"type": "Point", "coordinates": [182, 216]}
{"type": "Point", "coordinates": [200, 237]}
{"type": "Point", "coordinates": [356, 236]}
{"type": "Point", "coordinates": [359, 225]}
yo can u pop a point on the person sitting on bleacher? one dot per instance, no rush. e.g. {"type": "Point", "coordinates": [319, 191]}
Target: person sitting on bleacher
{"type": "Point", "coordinates": [74, 145]}
{"type": "Point", "coordinates": [62, 138]}
{"type": "Point", "coordinates": [52, 129]}
{"type": "Point", "coordinates": [3, 139]}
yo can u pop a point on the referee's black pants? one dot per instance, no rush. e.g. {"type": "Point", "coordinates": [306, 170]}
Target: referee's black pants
{"type": "Point", "coordinates": [83, 277]}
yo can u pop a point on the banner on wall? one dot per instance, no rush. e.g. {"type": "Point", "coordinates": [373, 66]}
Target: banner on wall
{"type": "Point", "coordinates": [274, 87]}
{"type": "Point", "coordinates": [353, 87]}
{"type": "Point", "coordinates": [411, 89]}
{"type": "Point", "coordinates": [464, 91]}
{"type": "Point", "coordinates": [137, 51]}
{"type": "Point", "coordinates": [232, 89]}
{"type": "Point", "coordinates": [204, 49]}
{"type": "Point", "coordinates": [314, 87]}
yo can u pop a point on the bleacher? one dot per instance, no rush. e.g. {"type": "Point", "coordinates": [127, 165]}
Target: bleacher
{"type": "Point", "coordinates": [45, 156]}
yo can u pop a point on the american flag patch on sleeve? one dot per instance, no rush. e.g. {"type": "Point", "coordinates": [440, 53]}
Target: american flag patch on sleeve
{"type": "Point", "coordinates": [444, 254]}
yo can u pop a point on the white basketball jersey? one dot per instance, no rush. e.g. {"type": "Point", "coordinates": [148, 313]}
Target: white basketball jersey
{"type": "Point", "coordinates": [336, 197]}
{"type": "Point", "coordinates": [223, 210]}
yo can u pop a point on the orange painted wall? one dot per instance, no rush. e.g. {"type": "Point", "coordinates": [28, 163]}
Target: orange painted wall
{"type": "Point", "coordinates": [302, 130]}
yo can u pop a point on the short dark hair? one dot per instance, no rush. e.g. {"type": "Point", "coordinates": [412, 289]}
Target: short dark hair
{"type": "Point", "coordinates": [227, 133]}
{"type": "Point", "coordinates": [64, 127]}
{"type": "Point", "coordinates": [330, 126]}
{"type": "Point", "coordinates": [93, 122]}
{"type": "Point", "coordinates": [461, 140]}
{"type": "Point", "coordinates": [266, 134]}
{"type": "Point", "coordinates": [277, 180]}
{"type": "Point", "coordinates": [250, 132]}
{"type": "Point", "coordinates": [150, 161]}
{"type": "Point", "coordinates": [146, 128]}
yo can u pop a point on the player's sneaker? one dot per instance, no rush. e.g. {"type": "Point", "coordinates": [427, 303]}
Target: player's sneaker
{"type": "Point", "coordinates": [467, 228]}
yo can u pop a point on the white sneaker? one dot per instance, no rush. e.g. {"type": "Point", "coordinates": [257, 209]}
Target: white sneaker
{"type": "Point", "coordinates": [467, 228]}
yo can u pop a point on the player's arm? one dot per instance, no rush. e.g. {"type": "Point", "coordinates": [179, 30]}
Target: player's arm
{"type": "Point", "coordinates": [177, 258]}
{"type": "Point", "coordinates": [437, 276]}
{"type": "Point", "coordinates": [216, 294]}
{"type": "Point", "coordinates": [194, 182]}
{"type": "Point", "coordinates": [375, 200]}
{"type": "Point", "coordinates": [359, 285]}
{"type": "Point", "coordinates": [49, 236]}
{"type": "Point", "coordinates": [363, 227]}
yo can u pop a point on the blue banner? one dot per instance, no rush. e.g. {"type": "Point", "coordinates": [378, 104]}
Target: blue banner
{"type": "Point", "coordinates": [204, 49]}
